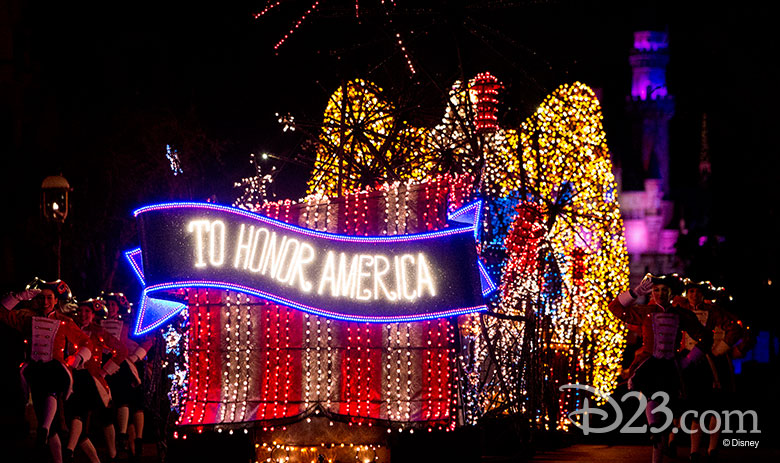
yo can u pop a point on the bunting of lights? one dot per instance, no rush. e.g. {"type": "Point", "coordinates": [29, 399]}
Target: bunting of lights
{"type": "Point", "coordinates": [352, 142]}
{"type": "Point", "coordinates": [386, 10]}
{"type": "Point", "coordinates": [569, 176]}
{"type": "Point", "coordinates": [176, 359]}
{"type": "Point", "coordinates": [565, 255]}
{"type": "Point", "coordinates": [363, 141]}
{"type": "Point", "coordinates": [255, 188]}
{"type": "Point", "coordinates": [249, 362]}
{"type": "Point", "coordinates": [172, 155]}
{"type": "Point", "coordinates": [553, 230]}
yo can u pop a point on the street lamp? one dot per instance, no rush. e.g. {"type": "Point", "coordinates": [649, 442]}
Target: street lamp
{"type": "Point", "coordinates": [54, 207]}
{"type": "Point", "coordinates": [54, 198]}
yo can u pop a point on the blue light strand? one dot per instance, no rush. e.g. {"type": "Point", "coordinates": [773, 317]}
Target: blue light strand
{"type": "Point", "coordinates": [170, 309]}
{"type": "Point", "coordinates": [475, 208]}
{"type": "Point", "coordinates": [136, 265]}
{"type": "Point", "coordinates": [487, 283]}
{"type": "Point", "coordinates": [315, 233]}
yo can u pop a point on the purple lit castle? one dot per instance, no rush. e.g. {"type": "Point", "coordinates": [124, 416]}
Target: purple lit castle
{"type": "Point", "coordinates": [645, 203]}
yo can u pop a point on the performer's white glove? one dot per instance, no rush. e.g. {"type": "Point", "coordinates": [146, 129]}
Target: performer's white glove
{"type": "Point", "coordinates": [79, 358]}
{"type": "Point", "coordinates": [644, 287]}
{"type": "Point", "coordinates": [627, 298]}
{"type": "Point", "coordinates": [109, 368]}
{"type": "Point", "coordinates": [139, 354]}
{"type": "Point", "coordinates": [10, 300]}
{"type": "Point", "coordinates": [73, 361]}
{"type": "Point", "coordinates": [27, 294]}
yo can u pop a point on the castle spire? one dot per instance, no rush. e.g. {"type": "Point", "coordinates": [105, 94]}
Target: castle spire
{"type": "Point", "coordinates": [651, 105]}
{"type": "Point", "coordinates": [705, 169]}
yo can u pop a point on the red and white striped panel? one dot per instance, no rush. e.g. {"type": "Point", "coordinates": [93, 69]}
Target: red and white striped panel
{"type": "Point", "coordinates": [251, 360]}
{"type": "Point", "coordinates": [254, 361]}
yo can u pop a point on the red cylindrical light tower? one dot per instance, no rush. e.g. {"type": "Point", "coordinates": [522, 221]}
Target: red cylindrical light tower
{"type": "Point", "coordinates": [486, 87]}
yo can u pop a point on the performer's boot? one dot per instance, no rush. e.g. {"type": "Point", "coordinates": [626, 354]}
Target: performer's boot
{"type": "Point", "coordinates": [712, 449]}
{"type": "Point", "coordinates": [139, 449]}
{"type": "Point", "coordinates": [658, 439]}
{"type": "Point", "coordinates": [658, 451]}
{"type": "Point", "coordinates": [121, 442]}
{"type": "Point", "coordinates": [671, 447]}
{"type": "Point", "coordinates": [42, 438]}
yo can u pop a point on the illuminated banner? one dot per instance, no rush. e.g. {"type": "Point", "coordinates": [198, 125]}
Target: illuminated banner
{"type": "Point", "coordinates": [356, 278]}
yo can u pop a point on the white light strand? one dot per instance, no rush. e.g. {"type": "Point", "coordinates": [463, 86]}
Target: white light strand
{"type": "Point", "coordinates": [408, 415]}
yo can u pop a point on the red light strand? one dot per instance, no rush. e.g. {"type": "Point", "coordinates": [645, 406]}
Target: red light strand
{"type": "Point", "coordinates": [297, 25]}
{"type": "Point", "coordinates": [268, 8]}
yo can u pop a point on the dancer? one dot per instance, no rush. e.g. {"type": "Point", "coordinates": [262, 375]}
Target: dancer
{"type": "Point", "coordinates": [711, 383]}
{"type": "Point", "coordinates": [127, 384]}
{"type": "Point", "coordinates": [48, 372]}
{"type": "Point", "coordinates": [657, 363]}
{"type": "Point", "coordinates": [90, 391]}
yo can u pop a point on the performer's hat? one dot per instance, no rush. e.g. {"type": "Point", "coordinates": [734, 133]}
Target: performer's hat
{"type": "Point", "coordinates": [97, 305]}
{"type": "Point", "coordinates": [672, 280]}
{"type": "Point", "coordinates": [120, 300]}
{"type": "Point", "coordinates": [60, 289]}
{"type": "Point", "coordinates": [720, 294]}
{"type": "Point", "coordinates": [704, 286]}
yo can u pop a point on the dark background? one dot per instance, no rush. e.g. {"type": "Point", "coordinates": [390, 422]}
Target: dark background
{"type": "Point", "coordinates": [95, 90]}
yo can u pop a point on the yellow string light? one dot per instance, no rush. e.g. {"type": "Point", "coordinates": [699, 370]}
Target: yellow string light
{"type": "Point", "coordinates": [571, 147]}
{"type": "Point", "coordinates": [562, 145]}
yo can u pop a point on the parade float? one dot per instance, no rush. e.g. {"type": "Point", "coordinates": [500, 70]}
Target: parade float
{"type": "Point", "coordinates": [432, 278]}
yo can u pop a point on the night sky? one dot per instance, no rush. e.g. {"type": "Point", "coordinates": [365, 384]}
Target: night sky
{"type": "Point", "coordinates": [95, 90]}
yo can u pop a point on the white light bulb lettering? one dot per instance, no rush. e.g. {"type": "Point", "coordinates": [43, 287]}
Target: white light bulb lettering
{"type": "Point", "coordinates": [378, 280]}
{"type": "Point", "coordinates": [424, 278]}
{"type": "Point", "coordinates": [283, 258]}
{"type": "Point", "coordinates": [217, 243]}
{"type": "Point", "coordinates": [346, 280]}
{"type": "Point", "coordinates": [244, 247]}
{"type": "Point", "coordinates": [362, 293]}
{"type": "Point", "coordinates": [255, 261]}
{"type": "Point", "coordinates": [198, 227]}
{"type": "Point", "coordinates": [271, 256]}
{"type": "Point", "coordinates": [329, 275]}
{"type": "Point", "coordinates": [404, 280]}
{"type": "Point", "coordinates": [287, 259]}
{"type": "Point", "coordinates": [304, 257]}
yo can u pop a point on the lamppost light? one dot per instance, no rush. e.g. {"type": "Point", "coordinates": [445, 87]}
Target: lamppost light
{"type": "Point", "coordinates": [54, 198]}
{"type": "Point", "coordinates": [54, 207]}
